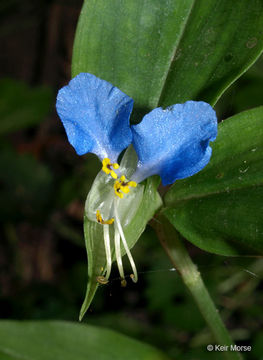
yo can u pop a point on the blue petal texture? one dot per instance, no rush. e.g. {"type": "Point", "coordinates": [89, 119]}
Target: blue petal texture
{"type": "Point", "coordinates": [174, 143]}
{"type": "Point", "coordinates": [95, 115]}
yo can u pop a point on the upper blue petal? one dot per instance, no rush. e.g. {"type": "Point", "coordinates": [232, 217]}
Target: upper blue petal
{"type": "Point", "coordinates": [174, 142]}
{"type": "Point", "coordinates": [95, 115]}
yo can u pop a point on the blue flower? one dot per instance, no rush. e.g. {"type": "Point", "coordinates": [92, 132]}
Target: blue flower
{"type": "Point", "coordinates": [96, 116]}
{"type": "Point", "coordinates": [172, 143]}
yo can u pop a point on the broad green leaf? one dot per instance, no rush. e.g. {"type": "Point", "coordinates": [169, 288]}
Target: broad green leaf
{"type": "Point", "coordinates": [22, 106]}
{"type": "Point", "coordinates": [170, 51]}
{"type": "Point", "coordinates": [220, 209]}
{"type": "Point", "coordinates": [147, 203]}
{"type": "Point", "coordinates": [55, 340]}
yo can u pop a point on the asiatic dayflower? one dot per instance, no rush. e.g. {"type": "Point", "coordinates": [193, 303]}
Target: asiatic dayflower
{"type": "Point", "coordinates": [172, 143]}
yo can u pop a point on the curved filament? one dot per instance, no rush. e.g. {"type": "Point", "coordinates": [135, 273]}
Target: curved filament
{"type": "Point", "coordinates": [106, 233]}
{"type": "Point", "coordinates": [117, 242]}
{"type": "Point", "coordinates": [134, 276]}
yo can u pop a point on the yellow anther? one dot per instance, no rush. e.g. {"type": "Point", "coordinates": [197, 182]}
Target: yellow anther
{"type": "Point", "coordinates": [113, 174]}
{"type": "Point", "coordinates": [133, 278]}
{"type": "Point", "coordinates": [101, 221]}
{"type": "Point", "coordinates": [122, 186]}
{"type": "Point", "coordinates": [123, 283]}
{"type": "Point", "coordinates": [102, 280]}
{"type": "Point", "coordinates": [107, 167]}
{"type": "Point", "coordinates": [115, 166]}
{"type": "Point", "coordinates": [132, 183]}
{"type": "Point", "coordinates": [125, 189]}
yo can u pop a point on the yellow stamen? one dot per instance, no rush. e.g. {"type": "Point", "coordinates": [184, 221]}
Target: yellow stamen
{"type": "Point", "coordinates": [123, 186]}
{"type": "Point", "coordinates": [115, 166]}
{"type": "Point", "coordinates": [102, 280]}
{"type": "Point", "coordinates": [107, 167]}
{"type": "Point", "coordinates": [101, 221]}
{"type": "Point", "coordinates": [123, 283]}
{"type": "Point", "coordinates": [132, 183]}
{"type": "Point", "coordinates": [132, 276]}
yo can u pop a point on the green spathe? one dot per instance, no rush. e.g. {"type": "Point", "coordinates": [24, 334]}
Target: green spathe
{"type": "Point", "coordinates": [134, 215]}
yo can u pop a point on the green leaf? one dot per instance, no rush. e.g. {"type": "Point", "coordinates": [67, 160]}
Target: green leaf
{"type": "Point", "coordinates": [22, 106]}
{"type": "Point", "coordinates": [245, 93]}
{"type": "Point", "coordinates": [220, 209]}
{"type": "Point", "coordinates": [52, 340]}
{"type": "Point", "coordinates": [166, 52]}
{"type": "Point", "coordinates": [146, 204]}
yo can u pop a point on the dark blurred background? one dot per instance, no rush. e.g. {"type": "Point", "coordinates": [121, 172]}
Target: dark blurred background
{"type": "Point", "coordinates": [43, 186]}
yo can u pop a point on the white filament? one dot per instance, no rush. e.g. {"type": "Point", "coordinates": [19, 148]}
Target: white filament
{"type": "Point", "coordinates": [118, 223]}
{"type": "Point", "coordinates": [118, 251]}
{"type": "Point", "coordinates": [106, 233]}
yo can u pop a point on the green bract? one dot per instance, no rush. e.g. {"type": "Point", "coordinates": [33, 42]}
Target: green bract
{"type": "Point", "coordinates": [135, 209]}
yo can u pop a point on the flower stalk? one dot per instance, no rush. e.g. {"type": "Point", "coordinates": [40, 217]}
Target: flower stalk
{"type": "Point", "coordinates": [177, 253]}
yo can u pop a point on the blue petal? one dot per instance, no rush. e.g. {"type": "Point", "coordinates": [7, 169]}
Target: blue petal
{"type": "Point", "coordinates": [95, 115]}
{"type": "Point", "coordinates": [174, 142]}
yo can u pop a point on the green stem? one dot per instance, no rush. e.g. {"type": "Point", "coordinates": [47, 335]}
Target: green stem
{"type": "Point", "coordinates": [174, 247]}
